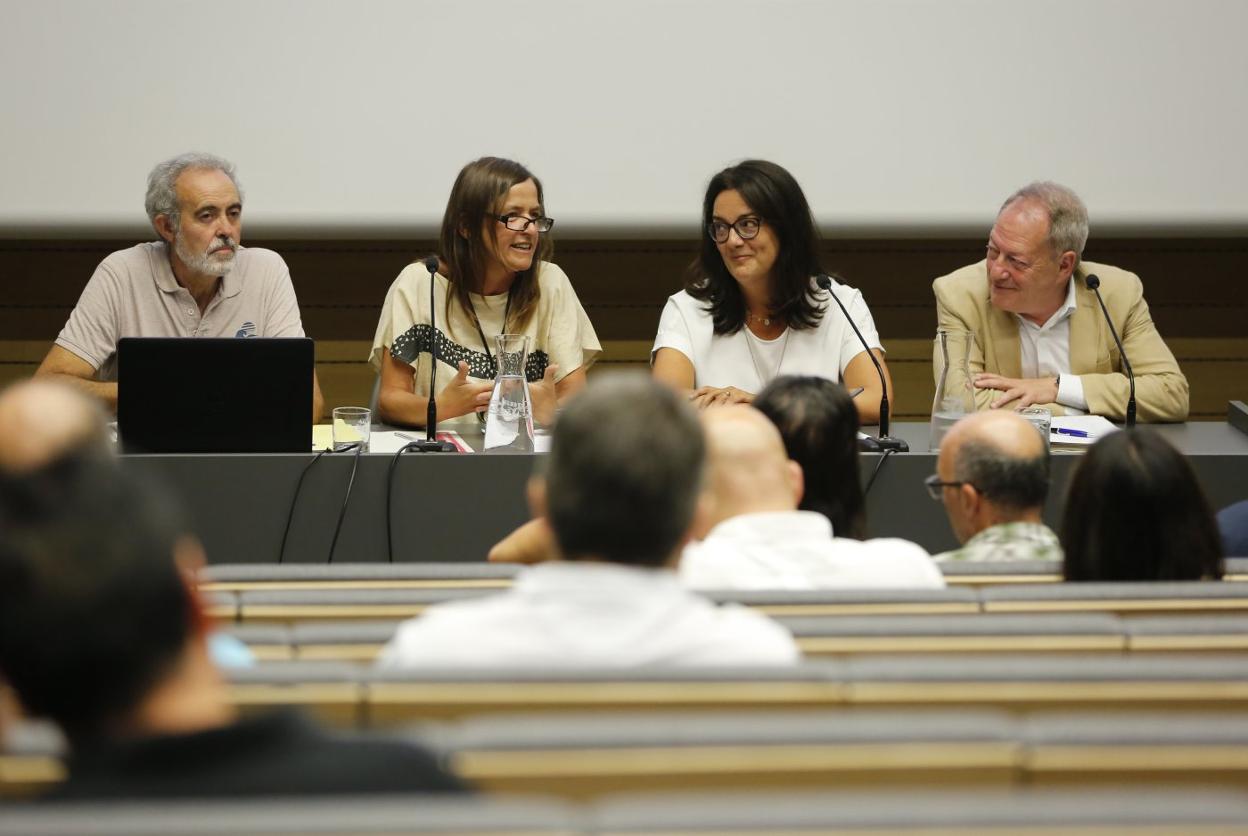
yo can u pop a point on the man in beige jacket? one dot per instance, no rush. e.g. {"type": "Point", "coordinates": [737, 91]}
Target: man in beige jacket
{"type": "Point", "coordinates": [1040, 336]}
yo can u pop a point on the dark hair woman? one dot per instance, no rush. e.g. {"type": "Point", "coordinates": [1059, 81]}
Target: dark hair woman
{"type": "Point", "coordinates": [1135, 512]}
{"type": "Point", "coordinates": [819, 424]}
{"type": "Point", "coordinates": [751, 310]}
{"type": "Point", "coordinates": [493, 277]}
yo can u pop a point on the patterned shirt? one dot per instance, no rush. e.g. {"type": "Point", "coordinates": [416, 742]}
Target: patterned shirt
{"type": "Point", "coordinates": [1009, 541]}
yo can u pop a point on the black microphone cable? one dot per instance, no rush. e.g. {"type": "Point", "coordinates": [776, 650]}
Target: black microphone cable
{"type": "Point", "coordinates": [294, 500]}
{"type": "Point", "coordinates": [394, 462]}
{"type": "Point", "coordinates": [346, 497]}
{"type": "Point", "coordinates": [883, 458]}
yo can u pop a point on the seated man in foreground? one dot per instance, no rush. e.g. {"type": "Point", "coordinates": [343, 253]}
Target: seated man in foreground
{"type": "Point", "coordinates": [757, 537]}
{"type": "Point", "coordinates": [1041, 338]}
{"type": "Point", "coordinates": [993, 476]}
{"type": "Point", "coordinates": [196, 281]}
{"type": "Point", "coordinates": [621, 495]}
{"type": "Point", "coordinates": [102, 632]}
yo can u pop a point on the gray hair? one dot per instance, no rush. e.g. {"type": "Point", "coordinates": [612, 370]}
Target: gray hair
{"type": "Point", "coordinates": [1011, 482]}
{"type": "Point", "coordinates": [162, 196]}
{"type": "Point", "coordinates": [1068, 216]}
{"type": "Point", "coordinates": [624, 473]}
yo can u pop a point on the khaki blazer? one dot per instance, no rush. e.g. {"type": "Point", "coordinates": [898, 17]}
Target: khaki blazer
{"type": "Point", "coordinates": [1161, 393]}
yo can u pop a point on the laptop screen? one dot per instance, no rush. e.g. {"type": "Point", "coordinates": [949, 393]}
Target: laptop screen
{"type": "Point", "coordinates": [214, 395]}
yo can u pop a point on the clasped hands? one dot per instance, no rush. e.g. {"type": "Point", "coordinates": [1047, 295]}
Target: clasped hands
{"type": "Point", "coordinates": [1019, 393]}
{"type": "Point", "coordinates": [706, 396]}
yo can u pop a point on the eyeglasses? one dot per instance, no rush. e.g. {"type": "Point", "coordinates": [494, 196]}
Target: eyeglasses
{"type": "Point", "coordinates": [519, 223]}
{"type": "Point", "coordinates": [934, 486]}
{"type": "Point", "coordinates": [746, 227]}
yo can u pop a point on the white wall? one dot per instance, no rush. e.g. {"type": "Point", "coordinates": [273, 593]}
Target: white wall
{"type": "Point", "coordinates": [895, 115]}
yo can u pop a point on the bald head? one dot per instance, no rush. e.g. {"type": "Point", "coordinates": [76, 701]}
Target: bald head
{"type": "Point", "coordinates": [1009, 433]}
{"type": "Point", "coordinates": [42, 420]}
{"type": "Point", "coordinates": [748, 470]}
{"type": "Point", "coordinates": [1003, 465]}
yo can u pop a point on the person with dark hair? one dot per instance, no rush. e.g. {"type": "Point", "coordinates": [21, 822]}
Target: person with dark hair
{"type": "Point", "coordinates": [819, 424]}
{"type": "Point", "coordinates": [196, 281]}
{"type": "Point", "coordinates": [993, 476]}
{"type": "Point", "coordinates": [751, 310]}
{"type": "Point", "coordinates": [494, 277]}
{"type": "Point", "coordinates": [754, 536]}
{"type": "Point", "coordinates": [103, 632]}
{"type": "Point", "coordinates": [620, 494]}
{"type": "Point", "coordinates": [1135, 512]}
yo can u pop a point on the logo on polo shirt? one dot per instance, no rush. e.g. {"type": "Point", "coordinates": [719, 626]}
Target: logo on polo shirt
{"type": "Point", "coordinates": [248, 330]}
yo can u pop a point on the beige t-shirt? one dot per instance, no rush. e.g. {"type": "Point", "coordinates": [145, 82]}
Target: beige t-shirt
{"type": "Point", "coordinates": [560, 331]}
{"type": "Point", "coordinates": [133, 293]}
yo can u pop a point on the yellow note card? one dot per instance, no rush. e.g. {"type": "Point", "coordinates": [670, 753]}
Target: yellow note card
{"type": "Point", "coordinates": [322, 436]}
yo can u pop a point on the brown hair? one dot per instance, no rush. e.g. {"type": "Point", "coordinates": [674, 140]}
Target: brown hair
{"type": "Point", "coordinates": [464, 249]}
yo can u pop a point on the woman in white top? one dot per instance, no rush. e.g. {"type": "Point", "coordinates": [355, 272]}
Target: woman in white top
{"type": "Point", "coordinates": [493, 277]}
{"type": "Point", "coordinates": [751, 310]}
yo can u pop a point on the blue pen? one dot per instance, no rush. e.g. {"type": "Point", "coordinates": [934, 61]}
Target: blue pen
{"type": "Point", "coordinates": [1072, 433]}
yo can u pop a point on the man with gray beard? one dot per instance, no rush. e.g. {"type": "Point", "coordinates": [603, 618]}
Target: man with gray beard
{"type": "Point", "coordinates": [196, 281]}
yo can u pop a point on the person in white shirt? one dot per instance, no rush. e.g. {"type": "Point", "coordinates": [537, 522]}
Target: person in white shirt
{"type": "Point", "coordinates": [621, 496]}
{"type": "Point", "coordinates": [757, 539]}
{"type": "Point", "coordinates": [751, 309]}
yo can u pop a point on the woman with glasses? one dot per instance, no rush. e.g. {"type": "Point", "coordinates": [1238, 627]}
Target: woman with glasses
{"type": "Point", "coordinates": [493, 277]}
{"type": "Point", "coordinates": [751, 310]}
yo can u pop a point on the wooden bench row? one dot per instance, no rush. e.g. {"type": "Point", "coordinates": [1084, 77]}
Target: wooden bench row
{"type": "Point", "coordinates": [585, 756]}
{"type": "Point", "coordinates": [930, 812]}
{"type": "Point", "coordinates": [251, 606]}
{"type": "Point", "coordinates": [273, 577]}
{"type": "Point", "coordinates": [843, 635]}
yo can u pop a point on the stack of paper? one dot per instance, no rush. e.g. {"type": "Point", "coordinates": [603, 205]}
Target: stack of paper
{"type": "Point", "coordinates": [1079, 430]}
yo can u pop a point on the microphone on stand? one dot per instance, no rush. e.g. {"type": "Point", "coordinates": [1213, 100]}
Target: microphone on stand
{"type": "Point", "coordinates": [884, 441]}
{"type": "Point", "coordinates": [1094, 284]}
{"type": "Point", "coordinates": [431, 443]}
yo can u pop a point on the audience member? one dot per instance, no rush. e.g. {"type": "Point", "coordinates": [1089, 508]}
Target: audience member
{"type": "Point", "coordinates": [1135, 512]}
{"type": "Point", "coordinates": [196, 281]}
{"type": "Point", "coordinates": [993, 475]}
{"type": "Point", "coordinates": [756, 537]}
{"type": "Point", "coordinates": [102, 632]}
{"type": "Point", "coordinates": [818, 421]}
{"type": "Point", "coordinates": [41, 420]}
{"type": "Point", "coordinates": [44, 419]}
{"type": "Point", "coordinates": [621, 496]}
{"type": "Point", "coordinates": [1233, 525]}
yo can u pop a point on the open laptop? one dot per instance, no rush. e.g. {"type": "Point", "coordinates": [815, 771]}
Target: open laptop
{"type": "Point", "coordinates": [214, 395]}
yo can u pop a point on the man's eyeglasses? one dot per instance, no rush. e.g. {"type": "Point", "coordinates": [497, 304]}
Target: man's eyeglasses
{"type": "Point", "coordinates": [746, 227]}
{"type": "Point", "coordinates": [519, 223]}
{"type": "Point", "coordinates": [934, 486]}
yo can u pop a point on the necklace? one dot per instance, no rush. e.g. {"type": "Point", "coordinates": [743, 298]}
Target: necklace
{"type": "Point", "coordinates": [758, 369]}
{"type": "Point", "coordinates": [765, 320]}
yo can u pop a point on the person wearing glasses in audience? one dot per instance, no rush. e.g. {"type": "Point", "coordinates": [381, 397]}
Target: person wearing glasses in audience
{"type": "Point", "coordinates": [493, 277]}
{"type": "Point", "coordinates": [751, 310]}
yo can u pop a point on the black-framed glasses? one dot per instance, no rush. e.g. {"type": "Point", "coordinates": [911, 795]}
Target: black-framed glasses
{"type": "Point", "coordinates": [519, 223]}
{"type": "Point", "coordinates": [747, 227]}
{"type": "Point", "coordinates": [934, 486]}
